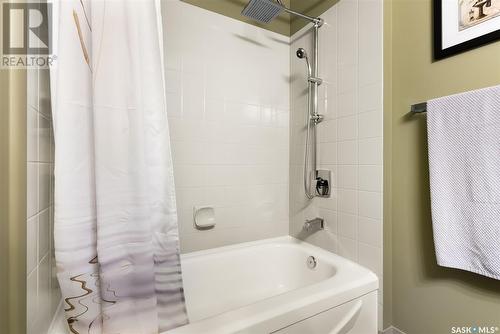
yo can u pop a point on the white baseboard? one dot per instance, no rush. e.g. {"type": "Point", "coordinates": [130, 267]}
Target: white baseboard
{"type": "Point", "coordinates": [58, 324]}
{"type": "Point", "coordinates": [392, 330]}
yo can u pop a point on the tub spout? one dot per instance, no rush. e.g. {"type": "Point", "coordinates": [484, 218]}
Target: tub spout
{"type": "Point", "coordinates": [314, 224]}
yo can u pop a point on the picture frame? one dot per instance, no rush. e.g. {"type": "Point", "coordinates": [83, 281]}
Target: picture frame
{"type": "Point", "coordinates": [463, 25]}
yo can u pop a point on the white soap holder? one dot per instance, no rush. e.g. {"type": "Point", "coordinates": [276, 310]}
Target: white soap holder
{"type": "Point", "coordinates": [204, 217]}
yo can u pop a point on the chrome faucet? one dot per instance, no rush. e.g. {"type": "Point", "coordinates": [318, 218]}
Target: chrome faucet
{"type": "Point", "coordinates": [314, 224]}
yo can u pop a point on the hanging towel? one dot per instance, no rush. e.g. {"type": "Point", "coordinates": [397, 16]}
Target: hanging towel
{"type": "Point", "coordinates": [464, 163]}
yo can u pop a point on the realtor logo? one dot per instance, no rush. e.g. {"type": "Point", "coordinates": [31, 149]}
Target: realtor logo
{"type": "Point", "coordinates": [26, 38]}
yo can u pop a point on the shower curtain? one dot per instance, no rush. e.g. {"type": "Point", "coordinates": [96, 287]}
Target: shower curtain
{"type": "Point", "coordinates": [115, 226]}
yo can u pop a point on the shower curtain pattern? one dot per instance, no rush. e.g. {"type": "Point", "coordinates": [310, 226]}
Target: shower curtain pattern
{"type": "Point", "coordinates": [115, 226]}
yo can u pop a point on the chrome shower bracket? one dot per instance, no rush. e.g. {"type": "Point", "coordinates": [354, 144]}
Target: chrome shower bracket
{"type": "Point", "coordinates": [317, 118]}
{"type": "Point", "coordinates": [314, 80]}
{"type": "Point", "coordinates": [318, 22]}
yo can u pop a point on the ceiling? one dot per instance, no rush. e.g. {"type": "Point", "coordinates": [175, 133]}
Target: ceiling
{"type": "Point", "coordinates": [282, 25]}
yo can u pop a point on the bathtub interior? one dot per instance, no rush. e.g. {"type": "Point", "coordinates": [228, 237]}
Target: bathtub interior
{"type": "Point", "coordinates": [227, 280]}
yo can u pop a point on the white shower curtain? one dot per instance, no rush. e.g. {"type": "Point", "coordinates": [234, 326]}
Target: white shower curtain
{"type": "Point", "coordinates": [115, 229]}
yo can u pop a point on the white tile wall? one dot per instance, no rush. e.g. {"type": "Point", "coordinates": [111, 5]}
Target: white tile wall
{"type": "Point", "coordinates": [228, 107]}
{"type": "Point", "coordinates": [43, 294]}
{"type": "Point", "coordinates": [350, 137]}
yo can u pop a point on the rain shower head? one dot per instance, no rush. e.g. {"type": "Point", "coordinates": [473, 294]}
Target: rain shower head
{"type": "Point", "coordinates": [266, 10]}
{"type": "Point", "coordinates": [262, 10]}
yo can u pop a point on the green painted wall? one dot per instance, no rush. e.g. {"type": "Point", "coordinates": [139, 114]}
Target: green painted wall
{"type": "Point", "coordinates": [4, 201]}
{"type": "Point", "coordinates": [426, 299]}
{"type": "Point", "coordinates": [12, 200]}
{"type": "Point", "coordinates": [387, 205]}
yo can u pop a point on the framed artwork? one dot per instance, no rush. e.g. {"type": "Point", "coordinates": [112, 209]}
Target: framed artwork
{"type": "Point", "coordinates": [462, 25]}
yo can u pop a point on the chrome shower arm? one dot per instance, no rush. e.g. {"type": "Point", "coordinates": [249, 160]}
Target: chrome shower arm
{"type": "Point", "coordinates": [315, 20]}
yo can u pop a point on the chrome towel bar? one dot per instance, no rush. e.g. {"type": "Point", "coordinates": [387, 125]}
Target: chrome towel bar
{"type": "Point", "coordinates": [418, 108]}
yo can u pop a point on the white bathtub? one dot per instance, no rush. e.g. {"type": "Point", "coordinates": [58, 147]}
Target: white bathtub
{"type": "Point", "coordinates": [267, 287]}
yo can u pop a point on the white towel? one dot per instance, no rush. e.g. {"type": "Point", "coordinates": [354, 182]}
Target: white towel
{"type": "Point", "coordinates": [464, 163]}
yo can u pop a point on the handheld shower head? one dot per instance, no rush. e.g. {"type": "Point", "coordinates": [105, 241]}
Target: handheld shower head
{"type": "Point", "coordinates": [301, 53]}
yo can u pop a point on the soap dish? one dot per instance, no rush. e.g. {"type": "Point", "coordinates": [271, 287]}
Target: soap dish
{"type": "Point", "coordinates": [204, 217]}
